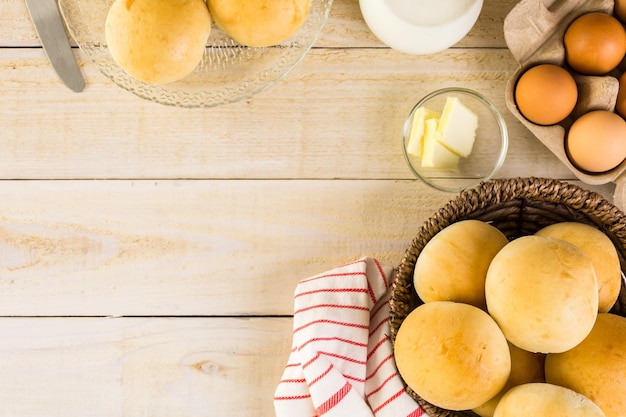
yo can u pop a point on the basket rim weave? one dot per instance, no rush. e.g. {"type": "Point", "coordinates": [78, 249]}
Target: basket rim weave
{"type": "Point", "coordinates": [518, 207]}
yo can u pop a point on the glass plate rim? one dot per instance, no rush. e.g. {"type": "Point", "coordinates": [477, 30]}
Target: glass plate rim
{"type": "Point", "coordinates": [288, 55]}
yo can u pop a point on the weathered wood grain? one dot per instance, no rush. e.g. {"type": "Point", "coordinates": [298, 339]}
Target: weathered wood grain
{"type": "Point", "coordinates": [157, 367]}
{"type": "Point", "coordinates": [344, 28]}
{"type": "Point", "coordinates": [340, 108]}
{"type": "Point", "coordinates": [193, 247]}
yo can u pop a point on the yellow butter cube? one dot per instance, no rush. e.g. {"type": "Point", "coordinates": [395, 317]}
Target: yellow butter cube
{"type": "Point", "coordinates": [457, 127]}
{"type": "Point", "coordinates": [435, 154]}
{"type": "Point", "coordinates": [415, 144]}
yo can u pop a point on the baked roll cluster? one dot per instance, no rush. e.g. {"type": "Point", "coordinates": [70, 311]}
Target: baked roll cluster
{"type": "Point", "coordinates": [162, 41]}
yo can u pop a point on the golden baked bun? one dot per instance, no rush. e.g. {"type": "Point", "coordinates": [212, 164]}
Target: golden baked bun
{"type": "Point", "coordinates": [158, 41]}
{"type": "Point", "coordinates": [597, 366]}
{"type": "Point", "coordinates": [599, 248]}
{"type": "Point", "coordinates": [545, 400]}
{"type": "Point", "coordinates": [526, 367]}
{"type": "Point", "coordinates": [453, 265]}
{"type": "Point", "coordinates": [543, 294]}
{"type": "Point", "coordinates": [453, 355]}
{"type": "Point", "coordinates": [259, 23]}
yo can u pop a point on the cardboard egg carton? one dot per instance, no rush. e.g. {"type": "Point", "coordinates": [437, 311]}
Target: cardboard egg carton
{"type": "Point", "coordinates": [533, 31]}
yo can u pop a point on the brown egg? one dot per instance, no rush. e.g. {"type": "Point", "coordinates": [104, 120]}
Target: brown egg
{"type": "Point", "coordinates": [596, 141]}
{"type": "Point", "coordinates": [546, 94]}
{"type": "Point", "coordinates": [595, 43]}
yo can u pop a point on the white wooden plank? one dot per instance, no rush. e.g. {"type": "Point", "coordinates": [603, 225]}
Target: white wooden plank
{"type": "Point", "coordinates": [345, 26]}
{"type": "Point", "coordinates": [123, 367]}
{"type": "Point", "coordinates": [348, 126]}
{"type": "Point", "coordinates": [193, 247]}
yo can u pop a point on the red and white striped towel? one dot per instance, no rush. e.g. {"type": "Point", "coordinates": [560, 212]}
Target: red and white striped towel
{"type": "Point", "coordinates": [341, 363]}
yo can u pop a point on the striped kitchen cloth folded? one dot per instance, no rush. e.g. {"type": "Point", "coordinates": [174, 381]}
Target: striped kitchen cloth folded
{"type": "Point", "coordinates": [341, 363]}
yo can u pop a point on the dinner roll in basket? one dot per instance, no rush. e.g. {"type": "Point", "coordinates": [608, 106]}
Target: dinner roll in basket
{"type": "Point", "coordinates": [545, 400]}
{"type": "Point", "coordinates": [600, 250]}
{"type": "Point", "coordinates": [454, 263]}
{"type": "Point", "coordinates": [543, 293]}
{"type": "Point", "coordinates": [517, 207]}
{"type": "Point", "coordinates": [454, 354]}
{"type": "Point", "coordinates": [596, 367]}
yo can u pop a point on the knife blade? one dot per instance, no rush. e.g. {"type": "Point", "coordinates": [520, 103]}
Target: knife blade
{"type": "Point", "coordinates": [51, 30]}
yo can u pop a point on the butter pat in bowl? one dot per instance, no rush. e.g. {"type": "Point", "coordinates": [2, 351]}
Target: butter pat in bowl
{"type": "Point", "coordinates": [454, 138]}
{"type": "Point", "coordinates": [420, 27]}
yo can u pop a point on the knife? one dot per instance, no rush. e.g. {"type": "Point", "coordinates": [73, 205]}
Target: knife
{"type": "Point", "coordinates": [51, 31]}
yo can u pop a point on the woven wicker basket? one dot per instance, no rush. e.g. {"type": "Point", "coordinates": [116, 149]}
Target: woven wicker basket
{"type": "Point", "coordinates": [517, 207]}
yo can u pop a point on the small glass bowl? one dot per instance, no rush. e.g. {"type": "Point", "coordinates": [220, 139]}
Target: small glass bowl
{"type": "Point", "coordinates": [488, 152]}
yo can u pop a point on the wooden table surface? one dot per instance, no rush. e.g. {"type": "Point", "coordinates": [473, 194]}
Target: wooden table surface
{"type": "Point", "coordinates": [148, 254]}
